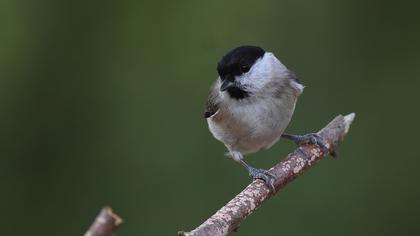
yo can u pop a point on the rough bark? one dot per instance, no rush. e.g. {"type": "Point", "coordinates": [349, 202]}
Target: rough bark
{"type": "Point", "coordinates": [229, 217]}
{"type": "Point", "coordinates": [105, 223]}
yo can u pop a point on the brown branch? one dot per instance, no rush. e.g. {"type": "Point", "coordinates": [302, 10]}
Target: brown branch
{"type": "Point", "coordinates": [105, 223]}
{"type": "Point", "coordinates": [229, 217]}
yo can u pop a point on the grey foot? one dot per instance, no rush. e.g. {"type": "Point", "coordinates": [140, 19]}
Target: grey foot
{"type": "Point", "coordinates": [311, 138]}
{"type": "Point", "coordinates": [264, 175]}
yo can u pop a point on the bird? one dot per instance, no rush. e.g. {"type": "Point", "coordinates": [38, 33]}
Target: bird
{"type": "Point", "coordinates": [251, 103]}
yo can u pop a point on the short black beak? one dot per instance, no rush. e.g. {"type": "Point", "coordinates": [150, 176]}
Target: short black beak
{"type": "Point", "coordinates": [226, 84]}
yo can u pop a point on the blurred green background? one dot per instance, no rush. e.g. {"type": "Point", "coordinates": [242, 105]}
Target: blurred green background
{"type": "Point", "coordinates": [101, 103]}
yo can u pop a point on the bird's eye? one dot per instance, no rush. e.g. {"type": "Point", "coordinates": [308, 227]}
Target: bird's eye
{"type": "Point", "coordinates": [245, 68]}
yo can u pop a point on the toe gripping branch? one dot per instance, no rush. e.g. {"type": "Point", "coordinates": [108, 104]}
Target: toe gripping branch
{"type": "Point", "coordinates": [312, 139]}
{"type": "Point", "coordinates": [261, 174]}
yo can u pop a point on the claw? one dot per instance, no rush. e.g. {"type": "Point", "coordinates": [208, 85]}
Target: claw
{"type": "Point", "coordinates": [317, 140]}
{"type": "Point", "coordinates": [311, 138]}
{"type": "Point", "coordinates": [264, 175]}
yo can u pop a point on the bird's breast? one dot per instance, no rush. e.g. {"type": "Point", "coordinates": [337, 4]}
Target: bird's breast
{"type": "Point", "coordinates": [250, 126]}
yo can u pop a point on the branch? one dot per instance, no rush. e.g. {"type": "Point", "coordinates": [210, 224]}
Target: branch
{"type": "Point", "coordinates": [229, 217]}
{"type": "Point", "coordinates": [105, 223]}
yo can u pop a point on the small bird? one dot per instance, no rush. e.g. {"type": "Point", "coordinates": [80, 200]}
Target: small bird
{"type": "Point", "coordinates": [251, 103]}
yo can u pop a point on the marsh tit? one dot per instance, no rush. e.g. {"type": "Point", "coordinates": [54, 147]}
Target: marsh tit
{"type": "Point", "coordinates": [251, 103]}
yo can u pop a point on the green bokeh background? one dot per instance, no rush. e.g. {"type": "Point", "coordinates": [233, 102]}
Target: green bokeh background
{"type": "Point", "coordinates": [101, 103]}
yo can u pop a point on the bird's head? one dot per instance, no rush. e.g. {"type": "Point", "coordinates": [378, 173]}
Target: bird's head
{"type": "Point", "coordinates": [246, 70]}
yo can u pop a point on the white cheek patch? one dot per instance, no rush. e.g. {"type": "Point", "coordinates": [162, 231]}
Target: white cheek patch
{"type": "Point", "coordinates": [263, 71]}
{"type": "Point", "coordinates": [255, 78]}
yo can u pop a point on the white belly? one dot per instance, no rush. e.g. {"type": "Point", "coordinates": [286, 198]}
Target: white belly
{"type": "Point", "coordinates": [250, 126]}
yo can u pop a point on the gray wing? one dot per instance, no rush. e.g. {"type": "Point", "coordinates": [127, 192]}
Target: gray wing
{"type": "Point", "coordinates": [213, 101]}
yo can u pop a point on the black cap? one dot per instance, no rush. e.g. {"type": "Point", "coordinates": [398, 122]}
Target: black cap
{"type": "Point", "coordinates": [238, 61]}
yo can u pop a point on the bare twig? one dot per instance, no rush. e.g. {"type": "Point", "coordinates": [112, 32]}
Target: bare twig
{"type": "Point", "coordinates": [105, 223]}
{"type": "Point", "coordinates": [229, 217]}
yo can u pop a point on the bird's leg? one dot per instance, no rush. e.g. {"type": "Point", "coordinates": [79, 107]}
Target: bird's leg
{"type": "Point", "coordinates": [255, 173]}
{"type": "Point", "coordinates": [310, 138]}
